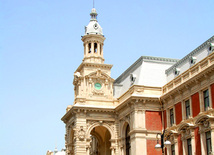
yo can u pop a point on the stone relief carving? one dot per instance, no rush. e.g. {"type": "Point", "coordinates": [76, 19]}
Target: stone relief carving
{"type": "Point", "coordinates": [81, 133]}
{"type": "Point", "coordinates": [103, 80]}
{"type": "Point", "coordinates": [206, 124]}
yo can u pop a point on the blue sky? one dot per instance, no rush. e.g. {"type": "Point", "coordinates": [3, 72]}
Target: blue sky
{"type": "Point", "coordinates": [41, 47]}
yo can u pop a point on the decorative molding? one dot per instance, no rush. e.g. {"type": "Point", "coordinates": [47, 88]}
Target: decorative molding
{"type": "Point", "coordinates": [190, 54]}
{"type": "Point", "coordinates": [194, 74]}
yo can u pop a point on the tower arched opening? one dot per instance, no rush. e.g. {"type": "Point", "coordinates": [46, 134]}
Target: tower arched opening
{"type": "Point", "coordinates": [95, 47]}
{"type": "Point", "coordinates": [89, 48]}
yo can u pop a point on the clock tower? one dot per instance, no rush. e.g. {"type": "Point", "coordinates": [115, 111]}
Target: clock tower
{"type": "Point", "coordinates": [90, 120]}
{"type": "Point", "coordinates": [92, 82]}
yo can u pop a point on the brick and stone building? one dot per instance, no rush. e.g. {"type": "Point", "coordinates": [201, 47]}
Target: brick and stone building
{"type": "Point", "coordinates": [154, 96]}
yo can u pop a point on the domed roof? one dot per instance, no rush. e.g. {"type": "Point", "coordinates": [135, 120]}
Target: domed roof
{"type": "Point", "coordinates": [93, 26]}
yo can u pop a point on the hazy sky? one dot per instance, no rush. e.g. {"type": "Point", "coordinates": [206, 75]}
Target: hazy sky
{"type": "Point", "coordinates": [41, 47]}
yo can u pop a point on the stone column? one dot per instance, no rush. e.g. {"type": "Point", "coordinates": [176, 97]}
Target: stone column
{"type": "Point", "coordinates": [192, 132]}
{"type": "Point", "coordinates": [80, 133]}
{"type": "Point", "coordinates": [176, 143]}
{"type": "Point", "coordinates": [138, 142]}
{"type": "Point", "coordinates": [92, 48]}
{"type": "Point", "coordinates": [184, 145]}
{"type": "Point", "coordinates": [101, 50]}
{"type": "Point", "coordinates": [98, 48]}
{"type": "Point", "coordinates": [212, 135]}
{"type": "Point", "coordinates": [201, 101]}
{"type": "Point", "coordinates": [203, 142]}
{"type": "Point", "coordinates": [86, 49]}
{"type": "Point", "coordinates": [138, 134]}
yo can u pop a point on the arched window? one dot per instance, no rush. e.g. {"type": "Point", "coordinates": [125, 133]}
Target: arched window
{"type": "Point", "coordinates": [89, 48]}
{"type": "Point", "coordinates": [95, 47]}
{"type": "Point", "coordinates": [127, 136]}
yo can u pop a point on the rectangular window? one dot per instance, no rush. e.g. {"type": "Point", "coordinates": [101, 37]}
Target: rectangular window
{"type": "Point", "coordinates": [187, 106]}
{"type": "Point", "coordinates": [173, 149]}
{"type": "Point", "coordinates": [189, 146]}
{"type": "Point", "coordinates": [206, 100]}
{"type": "Point", "coordinates": [171, 117]}
{"type": "Point", "coordinates": [208, 142]}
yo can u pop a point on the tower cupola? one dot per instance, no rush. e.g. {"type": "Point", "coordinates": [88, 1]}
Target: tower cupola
{"type": "Point", "coordinates": [93, 40]}
{"type": "Point", "coordinates": [93, 26]}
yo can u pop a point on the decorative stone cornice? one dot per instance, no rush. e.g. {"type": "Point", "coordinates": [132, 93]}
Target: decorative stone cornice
{"type": "Point", "coordinates": [93, 37]}
{"type": "Point", "coordinates": [190, 54]}
{"type": "Point", "coordinates": [138, 130]}
{"type": "Point", "coordinates": [139, 93]}
{"type": "Point", "coordinates": [193, 74]}
{"type": "Point", "coordinates": [94, 65]}
{"type": "Point", "coordinates": [159, 59]}
{"type": "Point", "coordinates": [85, 109]}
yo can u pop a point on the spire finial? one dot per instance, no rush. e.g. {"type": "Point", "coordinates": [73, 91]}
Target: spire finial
{"type": "Point", "coordinates": [93, 14]}
{"type": "Point", "coordinates": [93, 3]}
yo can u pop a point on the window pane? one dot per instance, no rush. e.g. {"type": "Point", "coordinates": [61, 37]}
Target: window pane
{"type": "Point", "coordinates": [187, 105]}
{"type": "Point", "coordinates": [206, 99]}
{"type": "Point", "coordinates": [171, 117]}
{"type": "Point", "coordinates": [189, 146]}
{"type": "Point", "coordinates": [208, 142]}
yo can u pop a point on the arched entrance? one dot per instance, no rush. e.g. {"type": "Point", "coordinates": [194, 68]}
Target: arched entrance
{"type": "Point", "coordinates": [127, 140]}
{"type": "Point", "coordinates": [100, 141]}
{"type": "Point", "coordinates": [70, 145]}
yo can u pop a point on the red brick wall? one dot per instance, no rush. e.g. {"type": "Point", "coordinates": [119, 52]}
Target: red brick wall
{"type": "Point", "coordinates": [180, 148]}
{"type": "Point", "coordinates": [151, 147]}
{"type": "Point", "coordinates": [197, 142]}
{"type": "Point", "coordinates": [178, 113]}
{"type": "Point", "coordinates": [153, 120]}
{"type": "Point", "coordinates": [164, 117]}
{"type": "Point", "coordinates": [212, 93]}
{"type": "Point", "coordinates": [195, 104]}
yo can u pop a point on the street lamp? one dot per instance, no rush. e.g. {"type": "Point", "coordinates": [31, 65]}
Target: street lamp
{"type": "Point", "coordinates": [163, 144]}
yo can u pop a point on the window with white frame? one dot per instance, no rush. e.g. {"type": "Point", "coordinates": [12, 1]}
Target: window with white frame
{"type": "Point", "coordinates": [187, 108]}
{"type": "Point", "coordinates": [208, 142]}
{"type": "Point", "coordinates": [171, 113]}
{"type": "Point", "coordinates": [206, 99]}
{"type": "Point", "coordinates": [189, 146]}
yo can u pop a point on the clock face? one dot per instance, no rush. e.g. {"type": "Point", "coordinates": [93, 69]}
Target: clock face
{"type": "Point", "coordinates": [97, 86]}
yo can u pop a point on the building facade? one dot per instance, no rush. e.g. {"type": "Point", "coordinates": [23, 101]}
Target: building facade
{"type": "Point", "coordinates": [154, 96]}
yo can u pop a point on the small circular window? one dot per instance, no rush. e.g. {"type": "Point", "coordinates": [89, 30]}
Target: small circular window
{"type": "Point", "coordinates": [97, 86]}
{"type": "Point", "coordinates": [95, 26]}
